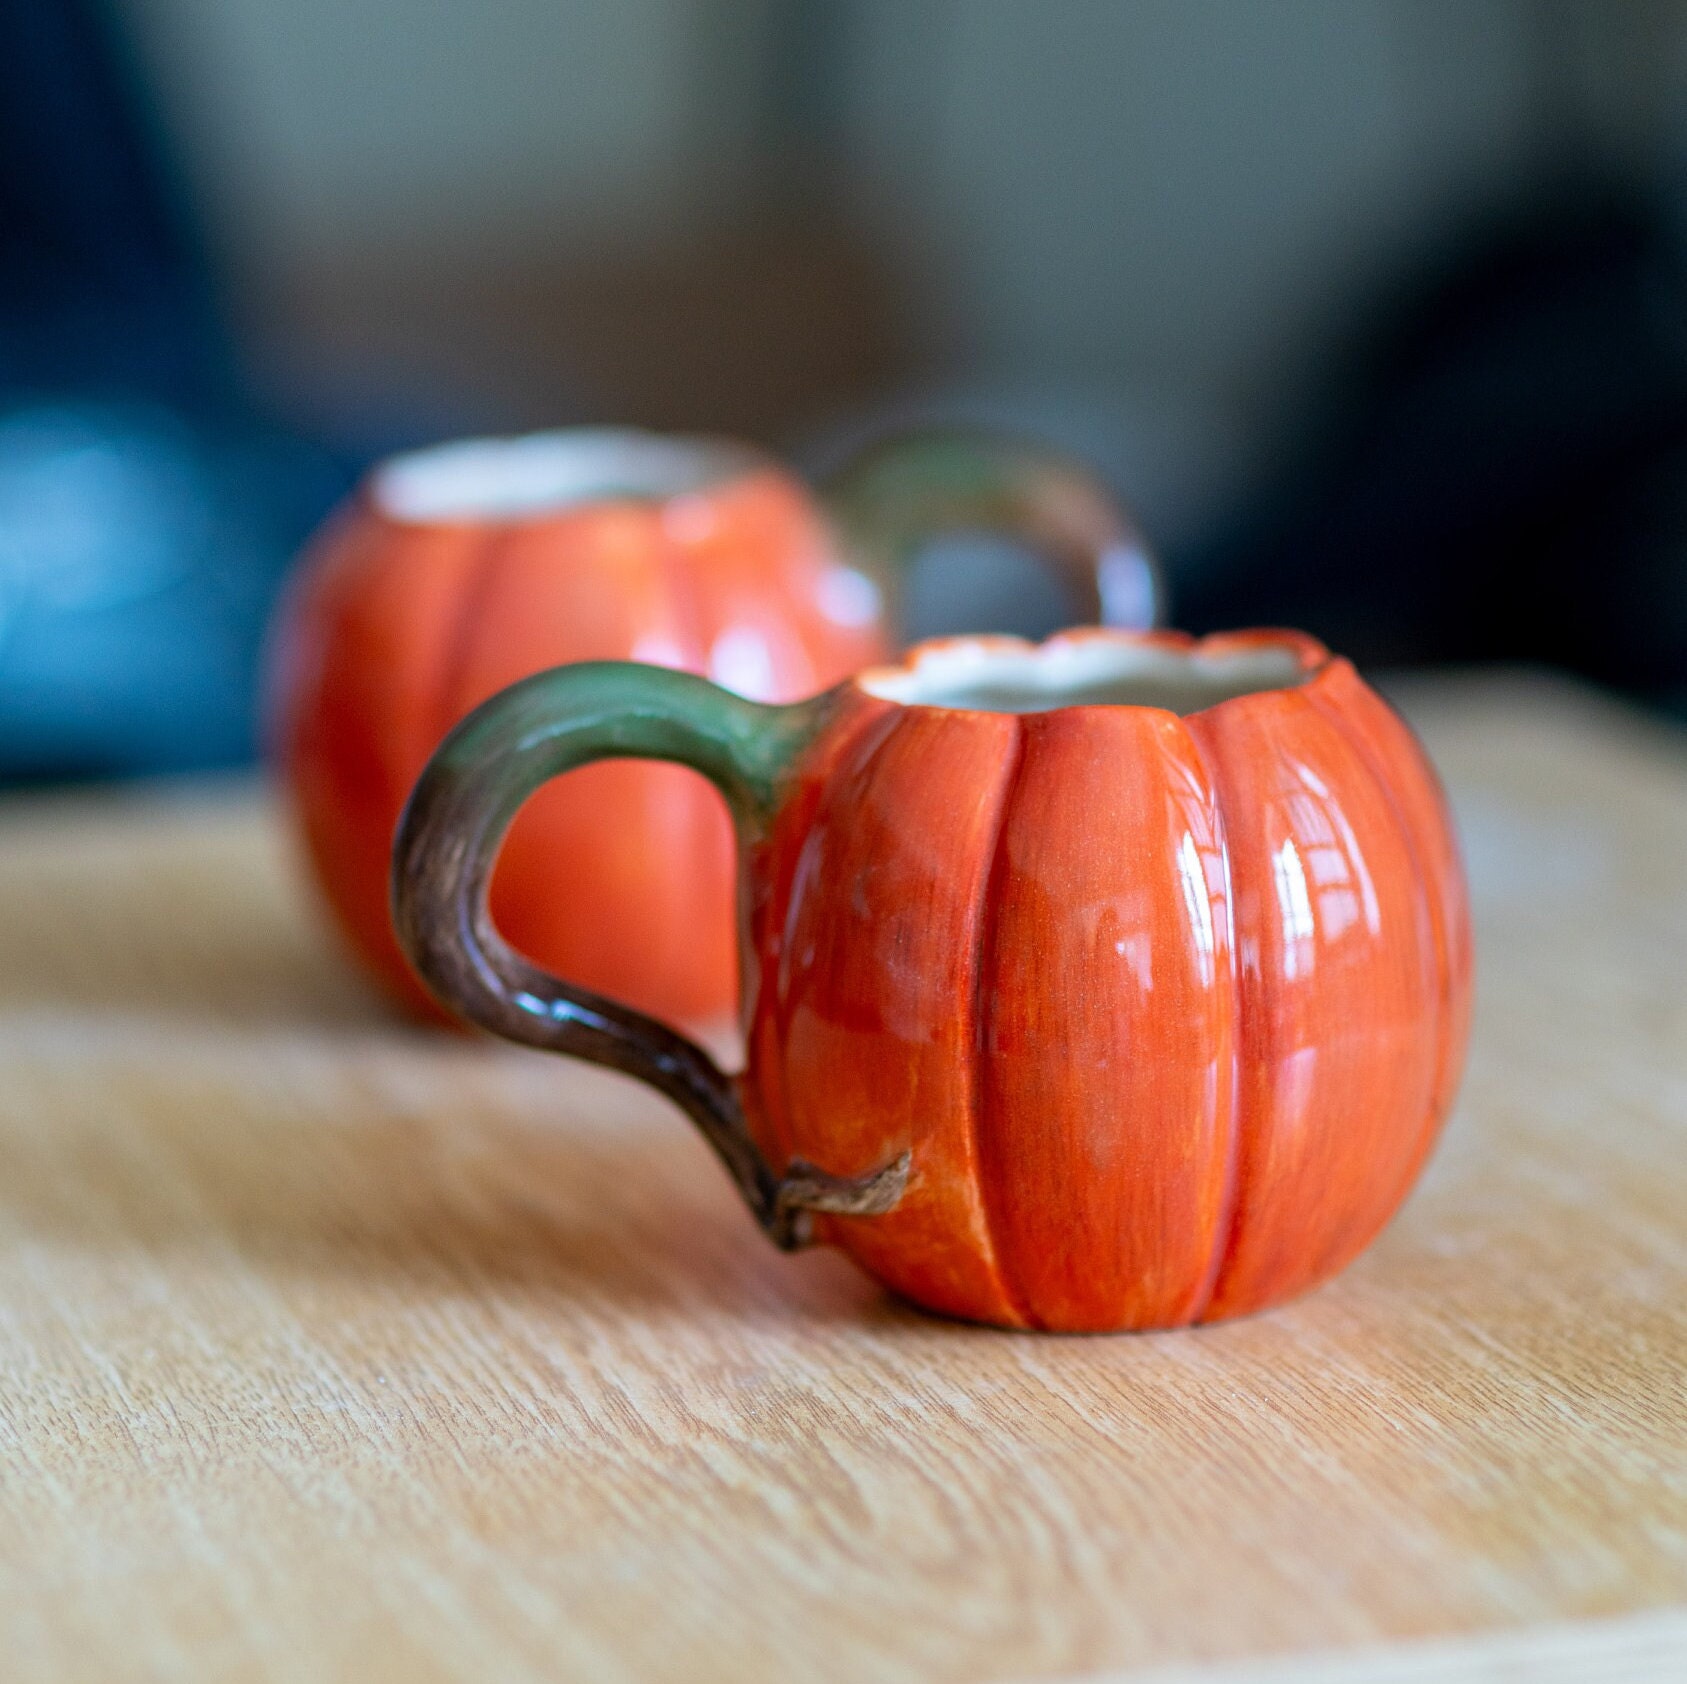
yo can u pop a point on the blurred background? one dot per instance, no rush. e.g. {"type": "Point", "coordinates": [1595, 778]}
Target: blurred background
{"type": "Point", "coordinates": [1376, 310]}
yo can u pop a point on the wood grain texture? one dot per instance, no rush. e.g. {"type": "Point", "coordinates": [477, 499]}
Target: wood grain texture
{"type": "Point", "coordinates": [330, 1349]}
{"type": "Point", "coordinates": [1615, 1651]}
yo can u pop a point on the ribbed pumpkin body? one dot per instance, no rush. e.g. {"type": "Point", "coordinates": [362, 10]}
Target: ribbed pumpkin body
{"type": "Point", "coordinates": [1167, 1009]}
{"type": "Point", "coordinates": [622, 878]}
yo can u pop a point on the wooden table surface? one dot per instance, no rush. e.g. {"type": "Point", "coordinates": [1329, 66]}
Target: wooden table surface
{"type": "Point", "coordinates": [333, 1350]}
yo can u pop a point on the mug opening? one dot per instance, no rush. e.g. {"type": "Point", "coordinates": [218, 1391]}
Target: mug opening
{"type": "Point", "coordinates": [1004, 675]}
{"type": "Point", "coordinates": [544, 473]}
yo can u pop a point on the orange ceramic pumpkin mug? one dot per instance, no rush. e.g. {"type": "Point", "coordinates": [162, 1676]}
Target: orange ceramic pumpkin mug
{"type": "Point", "coordinates": [458, 570]}
{"type": "Point", "coordinates": [1117, 982]}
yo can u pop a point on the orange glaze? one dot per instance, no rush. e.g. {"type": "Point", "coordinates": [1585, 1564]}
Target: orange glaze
{"type": "Point", "coordinates": [1167, 1009]}
{"type": "Point", "coordinates": [621, 877]}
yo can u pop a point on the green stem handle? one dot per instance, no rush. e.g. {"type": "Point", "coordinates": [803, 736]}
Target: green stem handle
{"type": "Point", "coordinates": [447, 844]}
{"type": "Point", "coordinates": [891, 499]}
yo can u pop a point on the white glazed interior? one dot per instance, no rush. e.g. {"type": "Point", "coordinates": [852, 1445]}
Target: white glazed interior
{"type": "Point", "coordinates": [502, 479]}
{"type": "Point", "coordinates": [999, 675]}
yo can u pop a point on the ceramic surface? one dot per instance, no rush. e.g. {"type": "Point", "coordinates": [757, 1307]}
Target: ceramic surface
{"type": "Point", "coordinates": [1168, 1009]}
{"type": "Point", "coordinates": [1088, 1016]}
{"type": "Point", "coordinates": [462, 569]}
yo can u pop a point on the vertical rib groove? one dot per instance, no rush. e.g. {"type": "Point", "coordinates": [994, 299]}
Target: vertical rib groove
{"type": "Point", "coordinates": [454, 662]}
{"type": "Point", "coordinates": [1225, 1223]}
{"type": "Point", "coordinates": [981, 1007]}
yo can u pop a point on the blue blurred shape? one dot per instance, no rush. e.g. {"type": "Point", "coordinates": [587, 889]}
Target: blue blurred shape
{"type": "Point", "coordinates": [138, 557]}
{"type": "Point", "coordinates": [148, 504]}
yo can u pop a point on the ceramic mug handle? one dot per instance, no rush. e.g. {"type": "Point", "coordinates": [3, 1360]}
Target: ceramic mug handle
{"type": "Point", "coordinates": [448, 841]}
{"type": "Point", "coordinates": [893, 498]}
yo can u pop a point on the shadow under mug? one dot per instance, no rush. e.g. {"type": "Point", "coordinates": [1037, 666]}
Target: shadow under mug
{"type": "Point", "coordinates": [1117, 981]}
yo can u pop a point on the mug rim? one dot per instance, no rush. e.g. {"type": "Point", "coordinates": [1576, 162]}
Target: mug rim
{"type": "Point", "coordinates": [515, 479]}
{"type": "Point", "coordinates": [968, 655]}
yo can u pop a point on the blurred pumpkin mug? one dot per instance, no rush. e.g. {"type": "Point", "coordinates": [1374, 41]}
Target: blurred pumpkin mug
{"type": "Point", "coordinates": [457, 570]}
{"type": "Point", "coordinates": [1120, 981]}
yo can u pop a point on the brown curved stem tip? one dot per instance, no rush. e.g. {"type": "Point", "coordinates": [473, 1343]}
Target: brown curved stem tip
{"type": "Point", "coordinates": [448, 841]}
